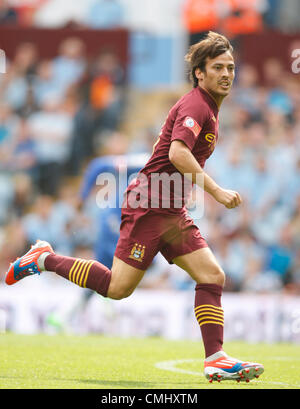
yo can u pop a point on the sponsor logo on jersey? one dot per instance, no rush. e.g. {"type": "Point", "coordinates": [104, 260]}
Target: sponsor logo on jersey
{"type": "Point", "coordinates": [211, 138]}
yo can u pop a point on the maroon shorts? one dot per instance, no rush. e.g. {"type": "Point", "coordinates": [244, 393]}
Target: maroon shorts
{"type": "Point", "coordinates": [145, 232]}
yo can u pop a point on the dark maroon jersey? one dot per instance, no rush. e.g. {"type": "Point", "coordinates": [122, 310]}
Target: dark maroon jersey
{"type": "Point", "coordinates": [192, 120]}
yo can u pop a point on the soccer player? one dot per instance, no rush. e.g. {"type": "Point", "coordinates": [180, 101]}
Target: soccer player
{"type": "Point", "coordinates": [153, 220]}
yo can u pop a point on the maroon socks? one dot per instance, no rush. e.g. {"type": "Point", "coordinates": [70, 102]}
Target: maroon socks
{"type": "Point", "coordinates": [85, 273]}
{"type": "Point", "coordinates": [94, 275]}
{"type": "Point", "coordinates": [210, 316]}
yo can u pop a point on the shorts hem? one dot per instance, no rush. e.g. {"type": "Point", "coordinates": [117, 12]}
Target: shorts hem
{"type": "Point", "coordinates": [184, 252]}
{"type": "Point", "coordinates": [132, 263]}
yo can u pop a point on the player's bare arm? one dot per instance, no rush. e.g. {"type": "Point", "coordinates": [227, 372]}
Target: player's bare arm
{"type": "Point", "coordinates": [185, 162]}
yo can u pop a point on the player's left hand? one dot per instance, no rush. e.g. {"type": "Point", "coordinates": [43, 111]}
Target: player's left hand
{"type": "Point", "coordinates": [229, 198]}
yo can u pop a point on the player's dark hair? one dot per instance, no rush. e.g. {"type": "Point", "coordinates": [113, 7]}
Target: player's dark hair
{"type": "Point", "coordinates": [211, 46]}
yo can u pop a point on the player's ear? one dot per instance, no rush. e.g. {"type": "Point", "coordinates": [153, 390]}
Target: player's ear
{"type": "Point", "coordinates": [199, 74]}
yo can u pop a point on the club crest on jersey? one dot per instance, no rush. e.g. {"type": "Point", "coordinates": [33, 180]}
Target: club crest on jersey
{"type": "Point", "coordinates": [137, 252]}
{"type": "Point", "coordinates": [192, 125]}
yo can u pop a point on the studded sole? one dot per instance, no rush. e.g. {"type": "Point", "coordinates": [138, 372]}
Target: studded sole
{"type": "Point", "coordinates": [245, 375]}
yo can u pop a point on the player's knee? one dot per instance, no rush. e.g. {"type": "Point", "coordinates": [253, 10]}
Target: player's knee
{"type": "Point", "coordinates": [118, 293]}
{"type": "Point", "coordinates": [217, 275]}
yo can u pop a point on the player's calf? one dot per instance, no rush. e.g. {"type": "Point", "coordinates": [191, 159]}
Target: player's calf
{"type": "Point", "coordinates": [85, 273]}
{"type": "Point", "coordinates": [124, 279]}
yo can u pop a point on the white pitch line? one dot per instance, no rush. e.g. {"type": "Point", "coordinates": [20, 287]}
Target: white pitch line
{"type": "Point", "coordinates": [171, 366]}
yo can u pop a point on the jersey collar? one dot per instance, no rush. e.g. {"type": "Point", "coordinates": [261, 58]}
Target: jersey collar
{"type": "Point", "coordinates": [209, 99]}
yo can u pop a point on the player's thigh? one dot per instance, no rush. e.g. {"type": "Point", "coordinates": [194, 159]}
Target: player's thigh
{"type": "Point", "coordinates": [124, 279]}
{"type": "Point", "coordinates": [202, 266]}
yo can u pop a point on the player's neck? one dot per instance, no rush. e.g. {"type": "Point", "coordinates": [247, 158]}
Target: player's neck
{"type": "Point", "coordinates": [217, 98]}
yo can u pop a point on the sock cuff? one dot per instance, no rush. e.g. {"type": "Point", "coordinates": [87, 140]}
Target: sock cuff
{"type": "Point", "coordinates": [216, 355]}
{"type": "Point", "coordinates": [52, 260]}
{"type": "Point", "coordinates": [41, 260]}
{"type": "Point", "coordinates": [212, 288]}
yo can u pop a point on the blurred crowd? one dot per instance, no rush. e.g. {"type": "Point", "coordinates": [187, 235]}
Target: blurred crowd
{"type": "Point", "coordinates": [54, 116]}
{"type": "Point", "coordinates": [57, 114]}
{"type": "Point", "coordinates": [233, 17]}
{"type": "Point", "coordinates": [259, 156]}
{"type": "Point", "coordinates": [52, 124]}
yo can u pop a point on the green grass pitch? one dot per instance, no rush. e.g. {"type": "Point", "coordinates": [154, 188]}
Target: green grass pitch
{"type": "Point", "coordinates": [97, 362]}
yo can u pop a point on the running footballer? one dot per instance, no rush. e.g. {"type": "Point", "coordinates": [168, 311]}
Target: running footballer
{"type": "Point", "coordinates": [149, 226]}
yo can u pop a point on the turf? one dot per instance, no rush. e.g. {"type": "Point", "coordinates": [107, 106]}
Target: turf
{"type": "Point", "coordinates": [96, 362]}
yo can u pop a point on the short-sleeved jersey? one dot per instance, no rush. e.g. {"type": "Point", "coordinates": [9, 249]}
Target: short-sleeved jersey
{"type": "Point", "coordinates": [192, 120]}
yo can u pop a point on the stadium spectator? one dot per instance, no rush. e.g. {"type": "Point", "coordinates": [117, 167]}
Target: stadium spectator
{"type": "Point", "coordinates": [23, 194]}
{"type": "Point", "coordinates": [263, 189]}
{"type": "Point", "coordinates": [280, 101]}
{"type": "Point", "coordinates": [51, 129]}
{"type": "Point", "coordinates": [14, 89]}
{"type": "Point", "coordinates": [22, 157]}
{"type": "Point", "coordinates": [15, 85]}
{"type": "Point", "coordinates": [25, 60]}
{"type": "Point", "coordinates": [44, 221]}
{"type": "Point", "coordinates": [59, 220]}
{"type": "Point", "coordinates": [8, 14]}
{"type": "Point", "coordinates": [246, 95]}
{"type": "Point", "coordinates": [102, 93]}
{"type": "Point", "coordinates": [243, 17]}
{"type": "Point", "coordinates": [44, 82]}
{"type": "Point", "coordinates": [294, 222]}
{"type": "Point", "coordinates": [6, 194]}
{"type": "Point", "coordinates": [26, 10]}
{"type": "Point", "coordinates": [232, 17]}
{"type": "Point", "coordinates": [287, 20]}
{"type": "Point", "coordinates": [107, 90]}
{"type": "Point", "coordinates": [8, 127]}
{"type": "Point", "coordinates": [200, 16]}
{"type": "Point", "coordinates": [239, 253]}
{"type": "Point", "coordinates": [280, 258]}
{"type": "Point", "coordinates": [271, 15]}
{"type": "Point", "coordinates": [69, 65]}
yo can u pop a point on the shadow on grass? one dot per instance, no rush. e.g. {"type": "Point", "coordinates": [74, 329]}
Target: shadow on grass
{"type": "Point", "coordinates": [128, 384]}
{"type": "Point", "coordinates": [101, 383]}
{"type": "Point", "coordinates": [115, 384]}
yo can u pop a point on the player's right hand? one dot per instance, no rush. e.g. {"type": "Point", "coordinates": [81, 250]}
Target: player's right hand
{"type": "Point", "coordinates": [229, 198]}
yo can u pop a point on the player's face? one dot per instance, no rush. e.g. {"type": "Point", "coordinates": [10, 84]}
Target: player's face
{"type": "Point", "coordinates": [218, 76]}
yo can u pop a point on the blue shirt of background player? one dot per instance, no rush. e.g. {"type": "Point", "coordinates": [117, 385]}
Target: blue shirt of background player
{"type": "Point", "coordinates": [123, 167]}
